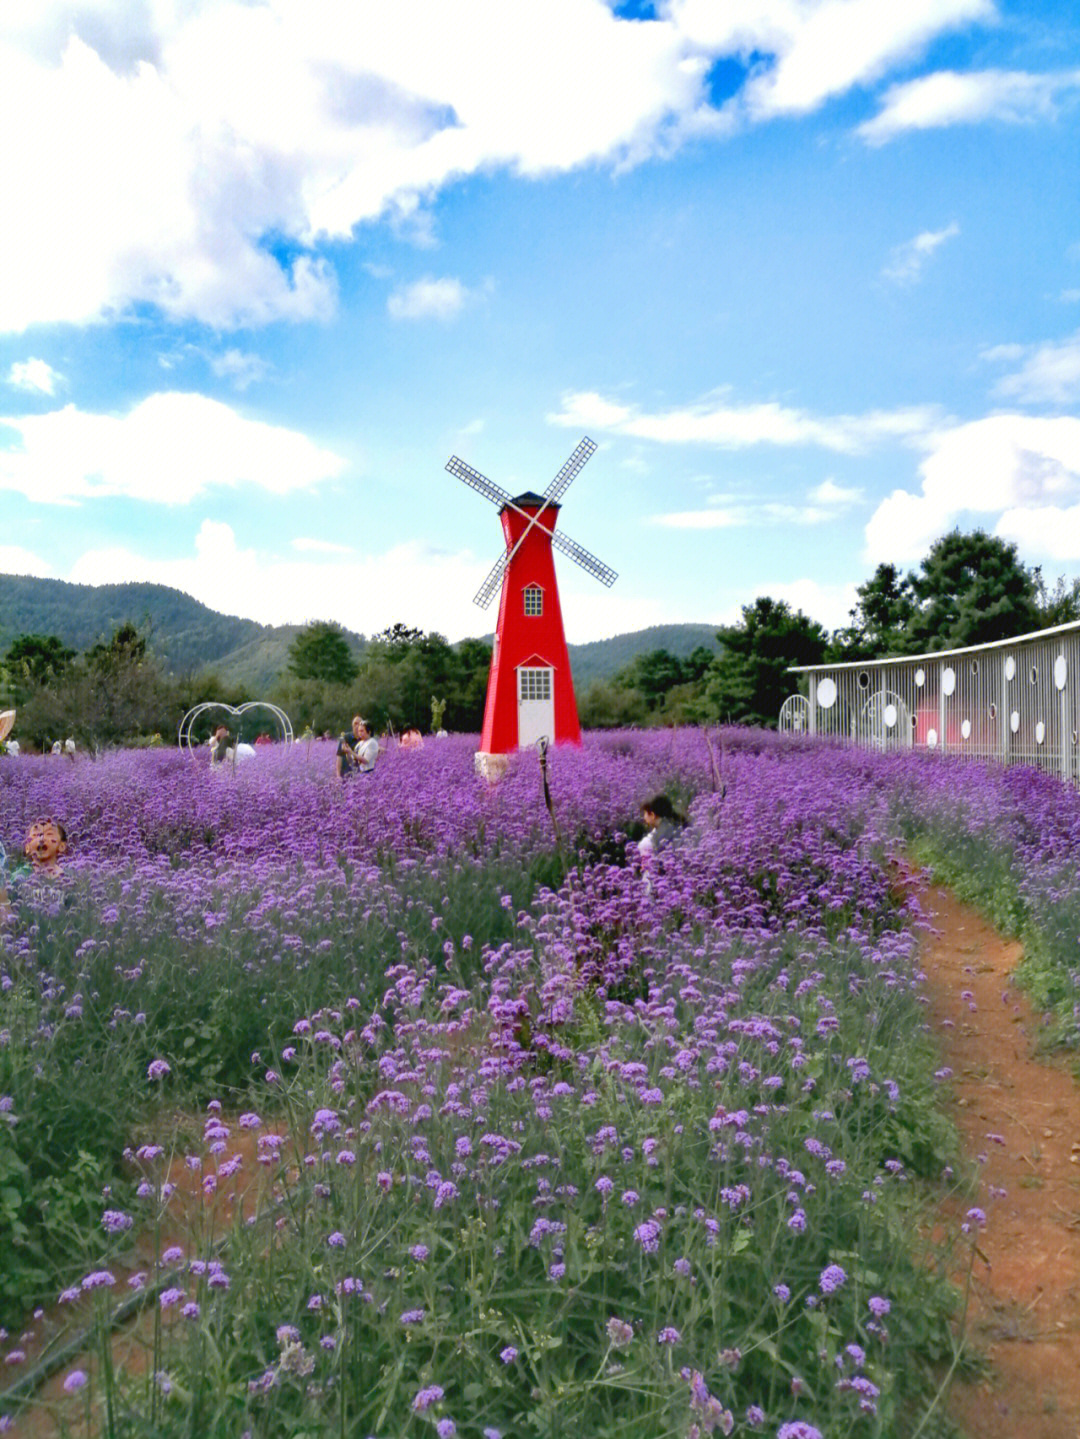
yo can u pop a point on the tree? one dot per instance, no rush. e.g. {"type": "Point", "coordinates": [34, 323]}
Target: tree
{"type": "Point", "coordinates": [321, 652]}
{"type": "Point", "coordinates": [971, 589]}
{"type": "Point", "coordinates": [118, 691]}
{"type": "Point", "coordinates": [652, 674]}
{"type": "Point", "coordinates": [880, 619]}
{"type": "Point", "coordinates": [749, 681]}
{"type": "Point", "coordinates": [34, 660]}
{"type": "Point", "coordinates": [1057, 606]}
{"type": "Point", "coordinates": [398, 638]}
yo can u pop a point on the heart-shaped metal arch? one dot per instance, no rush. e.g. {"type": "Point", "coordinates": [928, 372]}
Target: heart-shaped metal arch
{"type": "Point", "coordinates": [281, 719]}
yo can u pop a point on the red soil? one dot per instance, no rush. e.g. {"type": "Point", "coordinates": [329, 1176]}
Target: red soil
{"type": "Point", "coordinates": [1023, 1114]}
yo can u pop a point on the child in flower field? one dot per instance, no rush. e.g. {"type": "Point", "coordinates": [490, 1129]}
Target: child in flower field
{"type": "Point", "coordinates": [662, 821]}
{"type": "Point", "coordinates": [46, 842]}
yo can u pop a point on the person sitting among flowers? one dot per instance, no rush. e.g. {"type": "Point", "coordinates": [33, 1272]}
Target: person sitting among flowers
{"type": "Point", "coordinates": [662, 823]}
{"type": "Point", "coordinates": [357, 756]}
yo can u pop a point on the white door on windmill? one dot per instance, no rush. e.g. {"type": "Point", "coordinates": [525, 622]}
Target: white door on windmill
{"type": "Point", "coordinates": [536, 704]}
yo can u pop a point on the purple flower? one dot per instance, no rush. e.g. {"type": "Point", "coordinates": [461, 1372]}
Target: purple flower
{"type": "Point", "coordinates": [413, 1316]}
{"type": "Point", "coordinates": [427, 1397]}
{"type": "Point", "coordinates": [100, 1279]}
{"type": "Point", "coordinates": [878, 1306]}
{"type": "Point", "coordinates": [509, 1354]}
{"type": "Point", "coordinates": [798, 1429]}
{"type": "Point", "coordinates": [113, 1221]}
{"type": "Point", "coordinates": [75, 1381]}
{"type": "Point", "coordinates": [169, 1297]}
{"type": "Point", "coordinates": [619, 1332]}
{"type": "Point", "coordinates": [445, 1429]}
{"type": "Point", "coordinates": [668, 1336]}
{"type": "Point", "coordinates": [832, 1278]}
{"type": "Point", "coordinates": [157, 1069]}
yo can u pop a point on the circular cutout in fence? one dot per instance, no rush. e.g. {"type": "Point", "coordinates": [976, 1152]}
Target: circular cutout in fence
{"type": "Point", "coordinates": [864, 680]}
{"type": "Point", "coordinates": [931, 738]}
{"type": "Point", "coordinates": [1040, 732]}
{"type": "Point", "coordinates": [920, 678]}
{"type": "Point", "coordinates": [1014, 721]}
{"type": "Point", "coordinates": [826, 693]}
{"type": "Point", "coordinates": [974, 667]}
{"type": "Point", "coordinates": [1061, 672]}
{"type": "Point", "coordinates": [889, 716]}
{"type": "Point", "coordinates": [1034, 674]}
{"type": "Point", "coordinates": [965, 730]}
{"type": "Point", "coordinates": [914, 722]}
{"type": "Point", "coordinates": [948, 680]}
{"type": "Point", "coordinates": [993, 710]}
{"type": "Point", "coordinates": [1010, 668]}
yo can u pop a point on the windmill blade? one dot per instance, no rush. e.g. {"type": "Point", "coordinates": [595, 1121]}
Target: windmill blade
{"type": "Point", "coordinates": [478, 482]}
{"type": "Point", "coordinates": [581, 556]}
{"type": "Point", "coordinates": [569, 472]}
{"type": "Point", "coordinates": [490, 588]}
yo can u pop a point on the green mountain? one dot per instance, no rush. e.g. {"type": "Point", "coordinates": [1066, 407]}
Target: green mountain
{"type": "Point", "coordinates": [189, 636]}
{"type": "Point", "coordinates": [603, 658]}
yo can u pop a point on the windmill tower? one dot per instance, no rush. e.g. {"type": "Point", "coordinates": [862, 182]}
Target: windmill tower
{"type": "Point", "coordinates": [530, 691]}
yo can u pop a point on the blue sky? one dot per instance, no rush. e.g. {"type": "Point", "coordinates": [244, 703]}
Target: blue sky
{"type": "Point", "coordinates": [807, 271]}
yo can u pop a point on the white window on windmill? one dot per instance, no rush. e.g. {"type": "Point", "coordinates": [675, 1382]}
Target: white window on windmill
{"type": "Point", "coordinates": [534, 600]}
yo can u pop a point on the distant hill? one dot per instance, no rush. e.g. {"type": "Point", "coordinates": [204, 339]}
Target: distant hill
{"type": "Point", "coordinates": [603, 658]}
{"type": "Point", "coordinates": [189, 636]}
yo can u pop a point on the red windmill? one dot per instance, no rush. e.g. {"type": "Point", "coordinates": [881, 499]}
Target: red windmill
{"type": "Point", "coordinates": [530, 692]}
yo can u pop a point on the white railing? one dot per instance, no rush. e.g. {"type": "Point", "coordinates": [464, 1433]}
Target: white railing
{"type": "Point", "coordinates": [1014, 701]}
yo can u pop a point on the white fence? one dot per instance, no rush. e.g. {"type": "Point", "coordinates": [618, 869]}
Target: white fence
{"type": "Point", "coordinates": [1015, 701]}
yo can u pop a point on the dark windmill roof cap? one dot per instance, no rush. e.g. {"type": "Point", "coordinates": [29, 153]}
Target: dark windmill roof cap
{"type": "Point", "coordinates": [534, 501]}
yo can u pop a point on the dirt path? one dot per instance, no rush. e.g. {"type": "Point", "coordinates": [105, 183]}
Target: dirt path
{"type": "Point", "coordinates": [1023, 1114]}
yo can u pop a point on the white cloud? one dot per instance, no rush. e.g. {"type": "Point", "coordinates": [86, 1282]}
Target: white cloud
{"type": "Point", "coordinates": [725, 519]}
{"type": "Point", "coordinates": [241, 368]}
{"type": "Point", "coordinates": [816, 49]}
{"type": "Point", "coordinates": [168, 449]}
{"type": "Point", "coordinates": [825, 502]}
{"type": "Point", "coordinates": [1050, 373]}
{"type": "Point", "coordinates": [1021, 466]}
{"type": "Point", "coordinates": [408, 583]}
{"type": "Point", "coordinates": [829, 604]}
{"type": "Point", "coordinates": [949, 98]}
{"type": "Point", "coordinates": [36, 376]}
{"type": "Point", "coordinates": [14, 560]}
{"type": "Point", "coordinates": [1070, 297]}
{"type": "Point", "coordinates": [735, 427]}
{"type": "Point", "coordinates": [830, 493]}
{"type": "Point", "coordinates": [320, 547]}
{"type": "Point", "coordinates": [906, 262]}
{"type": "Point", "coordinates": [172, 137]}
{"type": "Point", "coordinates": [1050, 530]}
{"type": "Point", "coordinates": [428, 299]}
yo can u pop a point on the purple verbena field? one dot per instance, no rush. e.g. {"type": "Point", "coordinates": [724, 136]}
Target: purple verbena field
{"type": "Point", "coordinates": [546, 1138]}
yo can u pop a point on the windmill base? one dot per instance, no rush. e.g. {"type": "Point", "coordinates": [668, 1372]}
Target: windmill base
{"type": "Point", "coordinates": [489, 766]}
